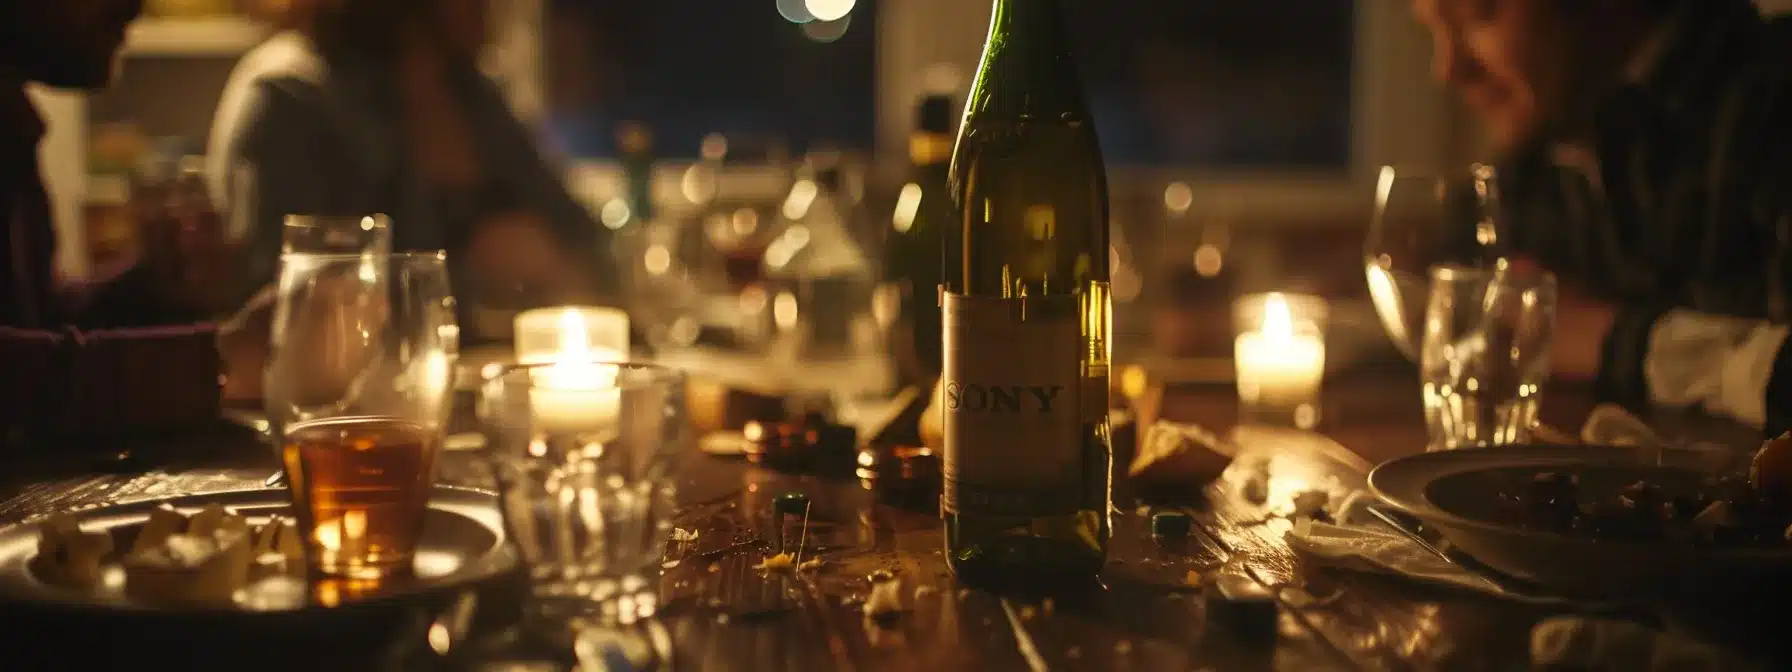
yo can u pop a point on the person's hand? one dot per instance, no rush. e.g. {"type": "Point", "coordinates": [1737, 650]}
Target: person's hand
{"type": "Point", "coordinates": [1582, 321]}
{"type": "Point", "coordinates": [243, 346]}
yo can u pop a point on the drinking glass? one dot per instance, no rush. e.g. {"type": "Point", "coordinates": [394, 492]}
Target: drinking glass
{"type": "Point", "coordinates": [357, 392]}
{"type": "Point", "coordinates": [586, 454]}
{"type": "Point", "coordinates": [1422, 219]}
{"type": "Point", "coordinates": [316, 234]}
{"type": "Point", "coordinates": [1486, 354]}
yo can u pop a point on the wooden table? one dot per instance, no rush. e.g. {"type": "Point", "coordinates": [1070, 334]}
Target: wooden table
{"type": "Point", "coordinates": [721, 614]}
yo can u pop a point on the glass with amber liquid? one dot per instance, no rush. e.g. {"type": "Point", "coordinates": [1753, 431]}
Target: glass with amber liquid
{"type": "Point", "coordinates": [358, 386]}
{"type": "Point", "coordinates": [1026, 317]}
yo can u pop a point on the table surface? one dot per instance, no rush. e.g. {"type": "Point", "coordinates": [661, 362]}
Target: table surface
{"type": "Point", "coordinates": [724, 615]}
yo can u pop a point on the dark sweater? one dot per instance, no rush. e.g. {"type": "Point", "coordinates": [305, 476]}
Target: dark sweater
{"type": "Point", "coordinates": [1695, 212]}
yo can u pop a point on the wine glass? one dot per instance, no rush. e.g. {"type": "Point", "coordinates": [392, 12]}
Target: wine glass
{"type": "Point", "coordinates": [1423, 219]}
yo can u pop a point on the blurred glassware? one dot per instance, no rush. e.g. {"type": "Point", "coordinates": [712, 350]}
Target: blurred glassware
{"type": "Point", "coordinates": [182, 236]}
{"type": "Point", "coordinates": [311, 234]}
{"type": "Point", "coordinates": [1485, 354]}
{"type": "Point", "coordinates": [687, 277]}
{"type": "Point", "coordinates": [106, 216]}
{"type": "Point", "coordinates": [824, 283]}
{"type": "Point", "coordinates": [586, 456]}
{"type": "Point", "coordinates": [912, 247]}
{"type": "Point", "coordinates": [357, 389]}
{"type": "Point", "coordinates": [366, 334]}
{"type": "Point", "coordinates": [1176, 280]}
{"type": "Point", "coordinates": [1422, 219]}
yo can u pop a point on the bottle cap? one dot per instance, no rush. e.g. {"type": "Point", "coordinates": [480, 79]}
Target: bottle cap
{"type": "Point", "coordinates": [791, 504]}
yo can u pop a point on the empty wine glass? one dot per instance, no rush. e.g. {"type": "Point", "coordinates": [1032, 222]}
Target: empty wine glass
{"type": "Point", "coordinates": [1423, 219]}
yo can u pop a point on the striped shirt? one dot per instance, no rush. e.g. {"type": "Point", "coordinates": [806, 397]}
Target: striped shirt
{"type": "Point", "coordinates": [1684, 220]}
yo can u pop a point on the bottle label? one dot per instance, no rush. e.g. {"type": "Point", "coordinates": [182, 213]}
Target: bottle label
{"type": "Point", "coordinates": [1011, 392]}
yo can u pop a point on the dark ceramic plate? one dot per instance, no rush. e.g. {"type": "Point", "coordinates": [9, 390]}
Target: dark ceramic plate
{"type": "Point", "coordinates": [1457, 493]}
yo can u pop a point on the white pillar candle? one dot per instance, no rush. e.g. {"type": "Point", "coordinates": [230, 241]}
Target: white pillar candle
{"type": "Point", "coordinates": [576, 390]}
{"type": "Point", "coordinates": [541, 334]}
{"type": "Point", "coordinates": [1281, 363]}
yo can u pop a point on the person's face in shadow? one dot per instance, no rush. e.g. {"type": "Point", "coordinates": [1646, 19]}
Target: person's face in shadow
{"type": "Point", "coordinates": [1513, 62]}
{"type": "Point", "coordinates": [463, 26]}
{"type": "Point", "coordinates": [64, 43]}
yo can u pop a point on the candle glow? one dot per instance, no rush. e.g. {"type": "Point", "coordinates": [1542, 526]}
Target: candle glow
{"type": "Point", "coordinates": [1281, 363]}
{"type": "Point", "coordinates": [577, 391]}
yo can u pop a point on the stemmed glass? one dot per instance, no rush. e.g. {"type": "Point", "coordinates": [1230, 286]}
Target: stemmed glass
{"type": "Point", "coordinates": [1423, 219]}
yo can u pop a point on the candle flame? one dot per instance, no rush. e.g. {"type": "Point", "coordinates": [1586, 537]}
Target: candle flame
{"type": "Point", "coordinates": [576, 365]}
{"type": "Point", "coordinates": [575, 339]}
{"type": "Point", "coordinates": [1278, 322]}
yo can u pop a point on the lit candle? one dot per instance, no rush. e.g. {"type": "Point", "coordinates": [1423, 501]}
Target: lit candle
{"type": "Point", "coordinates": [576, 391]}
{"type": "Point", "coordinates": [542, 338]}
{"type": "Point", "coordinates": [1280, 364]}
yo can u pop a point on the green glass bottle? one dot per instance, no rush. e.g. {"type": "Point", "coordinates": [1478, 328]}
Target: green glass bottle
{"type": "Point", "coordinates": [1027, 317]}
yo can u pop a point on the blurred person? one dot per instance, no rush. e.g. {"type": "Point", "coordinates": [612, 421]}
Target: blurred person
{"type": "Point", "coordinates": [55, 373]}
{"type": "Point", "coordinates": [1646, 159]}
{"type": "Point", "coordinates": [378, 106]}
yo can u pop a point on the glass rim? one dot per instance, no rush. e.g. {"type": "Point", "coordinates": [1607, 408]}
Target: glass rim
{"type": "Point", "coordinates": [400, 257]}
{"type": "Point", "coordinates": [1416, 171]}
{"type": "Point", "coordinates": [657, 373]}
{"type": "Point", "coordinates": [379, 219]}
{"type": "Point", "coordinates": [1464, 272]}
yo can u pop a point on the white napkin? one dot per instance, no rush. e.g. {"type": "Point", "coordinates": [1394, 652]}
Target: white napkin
{"type": "Point", "coordinates": [1378, 549]}
{"type": "Point", "coordinates": [1354, 542]}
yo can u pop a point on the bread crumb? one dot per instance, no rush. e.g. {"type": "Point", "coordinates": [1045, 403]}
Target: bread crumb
{"type": "Point", "coordinates": [779, 562]}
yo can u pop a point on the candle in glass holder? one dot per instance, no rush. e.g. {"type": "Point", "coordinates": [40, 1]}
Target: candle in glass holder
{"type": "Point", "coordinates": [1280, 365]}
{"type": "Point", "coordinates": [576, 390]}
{"type": "Point", "coordinates": [542, 334]}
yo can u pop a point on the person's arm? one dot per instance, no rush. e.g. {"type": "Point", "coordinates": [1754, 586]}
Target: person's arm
{"type": "Point", "coordinates": [544, 187]}
{"type": "Point", "coordinates": [1734, 367]}
{"type": "Point", "coordinates": [282, 159]}
{"type": "Point", "coordinates": [118, 381]}
{"type": "Point", "coordinates": [278, 157]}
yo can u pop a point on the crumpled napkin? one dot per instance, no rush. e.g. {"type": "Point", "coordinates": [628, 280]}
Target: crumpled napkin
{"type": "Point", "coordinates": [1582, 643]}
{"type": "Point", "coordinates": [1353, 543]}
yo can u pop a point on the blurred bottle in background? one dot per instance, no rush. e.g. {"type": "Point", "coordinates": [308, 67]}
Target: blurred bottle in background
{"type": "Point", "coordinates": [912, 253]}
{"type": "Point", "coordinates": [636, 141]}
{"type": "Point", "coordinates": [184, 241]}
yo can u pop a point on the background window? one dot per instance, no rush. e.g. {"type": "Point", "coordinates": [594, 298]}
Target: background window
{"type": "Point", "coordinates": [1231, 85]}
{"type": "Point", "coordinates": [687, 68]}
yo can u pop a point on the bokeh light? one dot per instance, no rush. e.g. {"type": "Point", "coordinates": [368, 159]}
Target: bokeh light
{"type": "Point", "coordinates": [829, 10]}
{"type": "Point", "coordinates": [795, 11]}
{"type": "Point", "coordinates": [827, 31]}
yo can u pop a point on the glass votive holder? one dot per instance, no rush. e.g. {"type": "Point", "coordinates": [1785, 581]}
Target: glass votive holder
{"type": "Point", "coordinates": [1279, 355]}
{"type": "Point", "coordinates": [571, 333]}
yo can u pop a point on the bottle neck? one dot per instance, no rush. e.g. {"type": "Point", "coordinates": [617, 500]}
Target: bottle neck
{"type": "Point", "coordinates": [1030, 48]}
